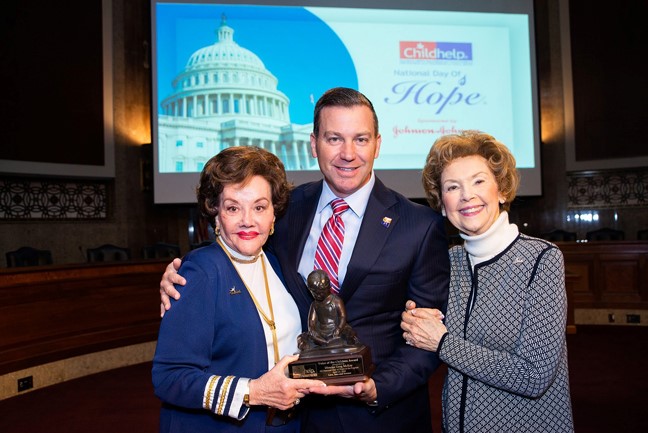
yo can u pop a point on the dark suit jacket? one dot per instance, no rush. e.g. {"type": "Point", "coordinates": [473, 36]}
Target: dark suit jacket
{"type": "Point", "coordinates": [405, 259]}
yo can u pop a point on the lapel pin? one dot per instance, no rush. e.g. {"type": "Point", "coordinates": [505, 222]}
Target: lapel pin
{"type": "Point", "coordinates": [233, 291]}
{"type": "Point", "coordinates": [386, 221]}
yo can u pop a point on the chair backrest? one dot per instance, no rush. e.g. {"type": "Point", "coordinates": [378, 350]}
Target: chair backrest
{"type": "Point", "coordinates": [605, 234]}
{"type": "Point", "coordinates": [161, 250]}
{"type": "Point", "coordinates": [28, 256]}
{"type": "Point", "coordinates": [108, 253]}
{"type": "Point", "coordinates": [558, 235]}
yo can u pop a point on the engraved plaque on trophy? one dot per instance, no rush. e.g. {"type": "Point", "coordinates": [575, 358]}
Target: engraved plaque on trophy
{"type": "Point", "coordinates": [330, 350]}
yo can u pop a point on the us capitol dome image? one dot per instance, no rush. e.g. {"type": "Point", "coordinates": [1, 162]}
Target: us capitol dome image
{"type": "Point", "coordinates": [226, 97]}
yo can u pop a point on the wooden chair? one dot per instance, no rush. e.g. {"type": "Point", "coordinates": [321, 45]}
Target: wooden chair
{"type": "Point", "coordinates": [28, 256]}
{"type": "Point", "coordinates": [108, 253]}
{"type": "Point", "coordinates": [161, 250]}
{"type": "Point", "coordinates": [605, 234]}
{"type": "Point", "coordinates": [559, 235]}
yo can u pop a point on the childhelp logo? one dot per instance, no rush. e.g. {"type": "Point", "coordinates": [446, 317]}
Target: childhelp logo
{"type": "Point", "coordinates": [435, 51]}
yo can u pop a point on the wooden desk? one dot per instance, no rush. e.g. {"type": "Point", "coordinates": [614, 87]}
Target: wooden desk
{"type": "Point", "coordinates": [607, 274]}
{"type": "Point", "coordinates": [49, 313]}
{"type": "Point", "coordinates": [570, 281]}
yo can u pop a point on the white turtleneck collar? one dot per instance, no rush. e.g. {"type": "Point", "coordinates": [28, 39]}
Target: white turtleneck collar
{"type": "Point", "coordinates": [492, 242]}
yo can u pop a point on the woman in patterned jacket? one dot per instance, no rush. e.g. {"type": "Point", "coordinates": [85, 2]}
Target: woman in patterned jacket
{"type": "Point", "coordinates": [503, 337]}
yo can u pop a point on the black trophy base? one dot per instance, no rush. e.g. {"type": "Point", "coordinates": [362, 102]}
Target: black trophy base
{"type": "Point", "coordinates": [342, 367]}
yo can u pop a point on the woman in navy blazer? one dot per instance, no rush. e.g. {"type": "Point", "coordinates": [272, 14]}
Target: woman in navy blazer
{"type": "Point", "coordinates": [221, 353]}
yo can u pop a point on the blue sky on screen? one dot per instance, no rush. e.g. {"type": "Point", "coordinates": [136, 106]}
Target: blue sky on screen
{"type": "Point", "coordinates": [307, 57]}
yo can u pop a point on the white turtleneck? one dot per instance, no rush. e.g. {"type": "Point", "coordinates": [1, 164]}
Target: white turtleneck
{"type": "Point", "coordinates": [492, 242]}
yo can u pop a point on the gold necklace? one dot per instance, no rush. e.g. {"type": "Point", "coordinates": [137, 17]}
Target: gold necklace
{"type": "Point", "coordinates": [268, 320]}
{"type": "Point", "coordinates": [236, 259]}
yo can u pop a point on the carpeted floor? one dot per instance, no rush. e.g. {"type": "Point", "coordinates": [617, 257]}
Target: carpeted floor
{"type": "Point", "coordinates": [608, 374]}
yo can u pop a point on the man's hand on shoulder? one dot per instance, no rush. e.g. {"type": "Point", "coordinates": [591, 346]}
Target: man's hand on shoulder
{"type": "Point", "coordinates": [167, 288]}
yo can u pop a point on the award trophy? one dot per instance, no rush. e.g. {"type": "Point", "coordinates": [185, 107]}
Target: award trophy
{"type": "Point", "coordinates": [330, 350]}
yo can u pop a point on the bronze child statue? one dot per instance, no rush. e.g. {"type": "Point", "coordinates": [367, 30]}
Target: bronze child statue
{"type": "Point", "coordinates": [327, 320]}
{"type": "Point", "coordinates": [330, 350]}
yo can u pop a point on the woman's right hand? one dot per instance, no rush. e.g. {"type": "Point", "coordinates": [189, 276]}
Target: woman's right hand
{"type": "Point", "coordinates": [167, 288]}
{"type": "Point", "coordinates": [274, 389]}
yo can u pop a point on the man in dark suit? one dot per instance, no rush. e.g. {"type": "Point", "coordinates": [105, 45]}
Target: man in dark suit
{"type": "Point", "coordinates": [393, 250]}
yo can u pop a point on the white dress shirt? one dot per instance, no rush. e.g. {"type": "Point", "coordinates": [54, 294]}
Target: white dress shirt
{"type": "Point", "coordinates": [352, 220]}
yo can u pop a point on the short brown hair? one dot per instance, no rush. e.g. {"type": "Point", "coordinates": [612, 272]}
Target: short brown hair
{"type": "Point", "coordinates": [342, 97]}
{"type": "Point", "coordinates": [238, 165]}
{"type": "Point", "coordinates": [447, 148]}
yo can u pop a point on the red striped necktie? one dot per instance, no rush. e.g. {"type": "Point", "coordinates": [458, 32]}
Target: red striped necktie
{"type": "Point", "coordinates": [329, 246]}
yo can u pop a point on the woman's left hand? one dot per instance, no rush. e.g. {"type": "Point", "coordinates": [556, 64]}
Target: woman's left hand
{"type": "Point", "coordinates": [423, 327]}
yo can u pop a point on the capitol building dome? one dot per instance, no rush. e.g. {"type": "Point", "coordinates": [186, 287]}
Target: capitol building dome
{"type": "Point", "coordinates": [226, 97]}
{"type": "Point", "coordinates": [225, 50]}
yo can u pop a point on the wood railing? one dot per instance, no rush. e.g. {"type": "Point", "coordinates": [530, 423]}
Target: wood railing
{"type": "Point", "coordinates": [50, 313]}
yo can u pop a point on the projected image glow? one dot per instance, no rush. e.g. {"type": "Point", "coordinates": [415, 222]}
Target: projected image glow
{"type": "Point", "coordinates": [231, 74]}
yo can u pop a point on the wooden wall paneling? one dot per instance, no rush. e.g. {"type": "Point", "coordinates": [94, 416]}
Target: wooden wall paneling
{"type": "Point", "coordinates": [608, 274]}
{"type": "Point", "coordinates": [53, 313]}
{"type": "Point", "coordinates": [581, 267]}
{"type": "Point", "coordinates": [570, 280]}
{"type": "Point", "coordinates": [619, 278]}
